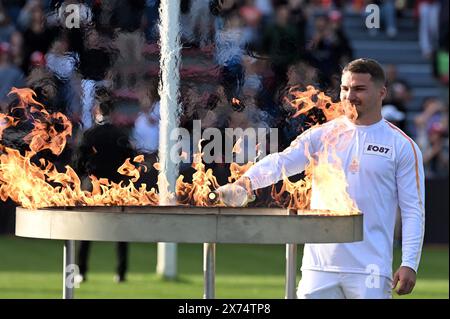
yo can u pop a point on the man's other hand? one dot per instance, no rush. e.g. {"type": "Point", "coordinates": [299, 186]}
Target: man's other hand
{"type": "Point", "coordinates": [405, 277]}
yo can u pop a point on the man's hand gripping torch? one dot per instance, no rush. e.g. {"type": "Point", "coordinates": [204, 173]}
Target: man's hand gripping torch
{"type": "Point", "coordinates": [237, 194]}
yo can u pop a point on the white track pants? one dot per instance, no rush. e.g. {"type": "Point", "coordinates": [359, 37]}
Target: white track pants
{"type": "Point", "coordinates": [335, 285]}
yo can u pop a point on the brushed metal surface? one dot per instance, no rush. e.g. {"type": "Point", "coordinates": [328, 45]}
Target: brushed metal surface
{"type": "Point", "coordinates": [187, 225]}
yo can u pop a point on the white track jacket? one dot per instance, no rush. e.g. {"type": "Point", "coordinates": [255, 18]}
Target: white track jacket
{"type": "Point", "coordinates": [388, 175]}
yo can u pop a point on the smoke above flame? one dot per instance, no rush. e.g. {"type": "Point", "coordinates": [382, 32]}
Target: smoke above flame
{"type": "Point", "coordinates": [37, 183]}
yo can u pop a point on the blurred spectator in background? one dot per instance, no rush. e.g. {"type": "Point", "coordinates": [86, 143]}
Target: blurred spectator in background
{"type": "Point", "coordinates": [252, 74]}
{"type": "Point", "coordinates": [12, 8]}
{"type": "Point", "coordinates": [398, 94]}
{"type": "Point", "coordinates": [10, 75]}
{"type": "Point", "coordinates": [329, 48]}
{"type": "Point", "coordinates": [127, 19]}
{"type": "Point", "coordinates": [432, 111]}
{"type": "Point", "coordinates": [443, 23]}
{"type": "Point", "coordinates": [222, 8]}
{"type": "Point", "coordinates": [442, 55]}
{"type": "Point", "coordinates": [389, 17]}
{"type": "Point", "coordinates": [145, 132]}
{"type": "Point", "coordinates": [186, 25]}
{"type": "Point", "coordinates": [151, 20]}
{"type": "Point", "coordinates": [428, 11]}
{"type": "Point", "coordinates": [17, 53]}
{"type": "Point", "coordinates": [252, 19]}
{"type": "Point", "coordinates": [218, 109]}
{"type": "Point", "coordinates": [345, 51]}
{"type": "Point", "coordinates": [197, 24]}
{"type": "Point", "coordinates": [299, 76]}
{"type": "Point", "coordinates": [435, 153]}
{"type": "Point", "coordinates": [346, 54]}
{"type": "Point", "coordinates": [230, 45]}
{"type": "Point", "coordinates": [38, 36]}
{"type": "Point", "coordinates": [256, 93]}
{"type": "Point", "coordinates": [37, 60]}
{"type": "Point", "coordinates": [96, 61]}
{"type": "Point", "coordinates": [188, 109]}
{"type": "Point", "coordinates": [102, 150]}
{"type": "Point", "coordinates": [63, 60]}
{"type": "Point", "coordinates": [298, 18]}
{"type": "Point", "coordinates": [432, 136]}
{"type": "Point", "coordinates": [43, 82]}
{"type": "Point", "coordinates": [24, 18]}
{"type": "Point", "coordinates": [266, 9]}
{"type": "Point", "coordinates": [392, 114]}
{"type": "Point", "coordinates": [280, 42]}
{"type": "Point", "coordinates": [6, 26]}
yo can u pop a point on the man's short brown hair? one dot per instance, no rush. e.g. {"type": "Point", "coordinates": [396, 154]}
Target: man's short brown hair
{"type": "Point", "coordinates": [369, 66]}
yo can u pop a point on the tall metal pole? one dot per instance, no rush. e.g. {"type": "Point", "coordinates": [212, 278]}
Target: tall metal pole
{"type": "Point", "coordinates": [168, 89]}
{"type": "Point", "coordinates": [209, 270]}
{"type": "Point", "coordinates": [291, 266]}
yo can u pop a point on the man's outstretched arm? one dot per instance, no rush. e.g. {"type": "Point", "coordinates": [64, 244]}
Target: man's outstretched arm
{"type": "Point", "coordinates": [268, 171]}
{"type": "Point", "coordinates": [274, 167]}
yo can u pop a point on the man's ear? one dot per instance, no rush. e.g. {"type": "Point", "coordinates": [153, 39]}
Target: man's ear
{"type": "Point", "coordinates": [383, 92]}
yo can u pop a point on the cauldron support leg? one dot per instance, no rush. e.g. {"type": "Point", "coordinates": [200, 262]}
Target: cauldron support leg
{"type": "Point", "coordinates": [291, 265]}
{"type": "Point", "coordinates": [209, 270]}
{"type": "Point", "coordinates": [291, 270]}
{"type": "Point", "coordinates": [68, 270]}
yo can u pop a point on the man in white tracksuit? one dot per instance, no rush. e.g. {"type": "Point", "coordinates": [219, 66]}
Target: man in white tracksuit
{"type": "Point", "coordinates": [384, 172]}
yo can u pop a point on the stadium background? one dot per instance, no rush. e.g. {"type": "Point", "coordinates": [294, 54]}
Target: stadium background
{"type": "Point", "coordinates": [279, 44]}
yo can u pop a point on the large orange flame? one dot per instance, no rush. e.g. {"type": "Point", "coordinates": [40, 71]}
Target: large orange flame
{"type": "Point", "coordinates": [203, 182]}
{"type": "Point", "coordinates": [304, 101]}
{"type": "Point", "coordinates": [35, 185]}
{"type": "Point", "coordinates": [324, 173]}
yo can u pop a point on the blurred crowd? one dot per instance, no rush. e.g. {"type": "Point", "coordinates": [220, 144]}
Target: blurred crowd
{"type": "Point", "coordinates": [261, 52]}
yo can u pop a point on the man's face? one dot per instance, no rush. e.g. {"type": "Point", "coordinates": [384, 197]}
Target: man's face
{"type": "Point", "coordinates": [365, 95]}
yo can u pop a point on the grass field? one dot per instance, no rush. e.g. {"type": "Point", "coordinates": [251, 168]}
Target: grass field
{"type": "Point", "coordinates": [31, 268]}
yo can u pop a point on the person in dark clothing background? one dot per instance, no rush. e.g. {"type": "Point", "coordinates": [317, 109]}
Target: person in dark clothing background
{"type": "Point", "coordinates": [330, 50]}
{"type": "Point", "coordinates": [283, 42]}
{"type": "Point", "coordinates": [102, 150]}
